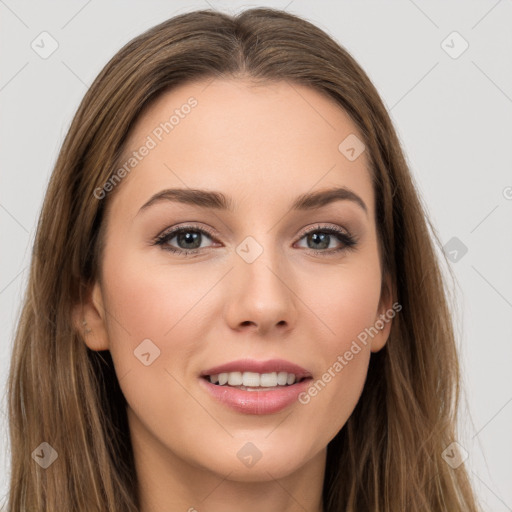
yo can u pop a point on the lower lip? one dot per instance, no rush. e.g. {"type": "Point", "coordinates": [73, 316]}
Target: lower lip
{"type": "Point", "coordinates": [256, 402]}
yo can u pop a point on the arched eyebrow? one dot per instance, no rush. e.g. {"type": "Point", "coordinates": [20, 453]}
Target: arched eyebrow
{"type": "Point", "coordinates": [218, 201]}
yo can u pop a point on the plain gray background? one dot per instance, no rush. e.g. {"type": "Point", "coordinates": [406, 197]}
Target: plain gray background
{"type": "Point", "coordinates": [452, 109]}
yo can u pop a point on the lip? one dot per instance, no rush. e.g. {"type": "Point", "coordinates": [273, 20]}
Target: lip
{"type": "Point", "coordinates": [252, 365]}
{"type": "Point", "coordinates": [256, 402]}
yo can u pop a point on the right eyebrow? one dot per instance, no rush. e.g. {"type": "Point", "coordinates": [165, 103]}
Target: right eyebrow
{"type": "Point", "coordinates": [202, 198]}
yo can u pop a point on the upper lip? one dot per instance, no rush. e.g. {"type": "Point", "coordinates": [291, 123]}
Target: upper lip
{"type": "Point", "coordinates": [252, 365]}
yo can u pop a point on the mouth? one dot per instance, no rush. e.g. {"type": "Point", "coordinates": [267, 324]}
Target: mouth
{"type": "Point", "coordinates": [256, 387]}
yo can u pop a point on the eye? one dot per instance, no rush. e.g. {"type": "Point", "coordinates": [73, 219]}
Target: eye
{"type": "Point", "coordinates": [320, 237]}
{"type": "Point", "coordinates": [188, 238]}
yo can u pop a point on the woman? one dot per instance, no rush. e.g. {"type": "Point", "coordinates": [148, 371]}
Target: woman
{"type": "Point", "coordinates": [234, 294]}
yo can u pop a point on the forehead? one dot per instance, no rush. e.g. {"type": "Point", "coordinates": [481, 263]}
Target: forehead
{"type": "Point", "coordinates": [279, 138]}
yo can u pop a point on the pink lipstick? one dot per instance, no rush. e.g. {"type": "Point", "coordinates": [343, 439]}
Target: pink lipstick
{"type": "Point", "coordinates": [256, 387]}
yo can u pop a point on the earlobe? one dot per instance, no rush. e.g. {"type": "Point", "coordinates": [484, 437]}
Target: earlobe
{"type": "Point", "coordinates": [383, 319]}
{"type": "Point", "coordinates": [89, 320]}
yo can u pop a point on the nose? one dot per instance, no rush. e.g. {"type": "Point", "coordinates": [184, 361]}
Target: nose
{"type": "Point", "coordinates": [260, 296]}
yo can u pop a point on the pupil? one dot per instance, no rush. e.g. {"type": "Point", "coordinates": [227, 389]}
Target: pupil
{"type": "Point", "coordinates": [323, 238]}
{"type": "Point", "coordinates": [190, 237]}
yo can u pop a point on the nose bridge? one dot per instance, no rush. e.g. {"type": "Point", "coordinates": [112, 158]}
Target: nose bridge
{"type": "Point", "coordinates": [259, 264]}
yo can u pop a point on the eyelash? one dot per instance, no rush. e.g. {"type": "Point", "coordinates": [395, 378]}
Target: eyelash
{"type": "Point", "coordinates": [349, 242]}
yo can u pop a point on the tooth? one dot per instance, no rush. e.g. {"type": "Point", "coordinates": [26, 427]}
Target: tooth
{"type": "Point", "coordinates": [282, 378]}
{"type": "Point", "coordinates": [251, 379]}
{"type": "Point", "coordinates": [235, 378]}
{"type": "Point", "coordinates": [268, 380]}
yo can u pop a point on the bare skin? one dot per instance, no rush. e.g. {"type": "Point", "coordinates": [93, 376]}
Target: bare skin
{"type": "Point", "coordinates": [263, 146]}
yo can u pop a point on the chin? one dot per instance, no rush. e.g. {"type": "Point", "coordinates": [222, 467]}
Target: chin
{"type": "Point", "coordinates": [255, 461]}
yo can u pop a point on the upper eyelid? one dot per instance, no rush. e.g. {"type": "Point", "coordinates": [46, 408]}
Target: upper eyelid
{"type": "Point", "coordinates": [174, 230]}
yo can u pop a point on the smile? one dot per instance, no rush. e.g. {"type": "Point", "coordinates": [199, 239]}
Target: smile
{"type": "Point", "coordinates": [255, 387]}
{"type": "Point", "coordinates": [252, 381]}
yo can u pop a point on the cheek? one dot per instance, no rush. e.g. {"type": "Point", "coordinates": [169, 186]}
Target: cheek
{"type": "Point", "coordinates": [151, 319]}
{"type": "Point", "coordinates": [152, 312]}
{"type": "Point", "coordinates": [345, 301]}
{"type": "Point", "coordinates": [149, 301]}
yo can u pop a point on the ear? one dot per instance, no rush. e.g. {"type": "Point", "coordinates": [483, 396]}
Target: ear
{"type": "Point", "coordinates": [89, 319]}
{"type": "Point", "coordinates": [383, 319]}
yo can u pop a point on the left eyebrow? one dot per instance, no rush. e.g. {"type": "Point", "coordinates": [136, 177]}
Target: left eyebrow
{"type": "Point", "coordinates": [315, 200]}
{"type": "Point", "coordinates": [219, 201]}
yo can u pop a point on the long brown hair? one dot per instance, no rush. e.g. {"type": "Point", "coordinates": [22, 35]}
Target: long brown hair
{"type": "Point", "coordinates": [388, 456]}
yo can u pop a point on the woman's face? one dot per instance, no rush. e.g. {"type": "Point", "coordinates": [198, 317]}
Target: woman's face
{"type": "Point", "coordinates": [271, 291]}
